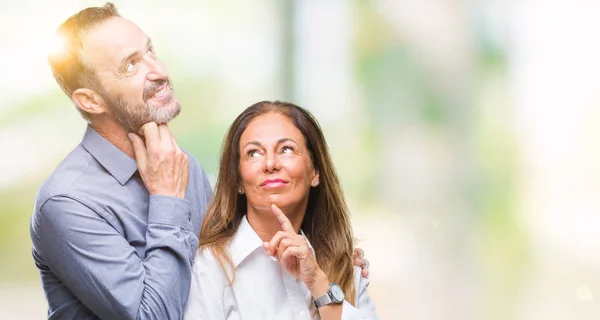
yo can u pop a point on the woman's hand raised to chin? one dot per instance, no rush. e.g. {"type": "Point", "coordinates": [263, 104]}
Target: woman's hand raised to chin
{"type": "Point", "coordinates": [293, 253]}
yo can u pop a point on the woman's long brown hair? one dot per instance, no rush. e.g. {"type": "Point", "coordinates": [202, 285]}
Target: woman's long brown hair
{"type": "Point", "coordinates": [326, 222]}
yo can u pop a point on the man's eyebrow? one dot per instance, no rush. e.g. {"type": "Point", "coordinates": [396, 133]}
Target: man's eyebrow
{"type": "Point", "coordinates": [128, 57]}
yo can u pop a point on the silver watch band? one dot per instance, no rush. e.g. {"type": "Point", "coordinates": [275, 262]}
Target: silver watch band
{"type": "Point", "coordinates": [323, 300]}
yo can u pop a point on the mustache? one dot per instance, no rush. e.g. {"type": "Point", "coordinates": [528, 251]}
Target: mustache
{"type": "Point", "coordinates": [155, 85]}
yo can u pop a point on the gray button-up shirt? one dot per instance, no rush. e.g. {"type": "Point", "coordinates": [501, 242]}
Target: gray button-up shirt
{"type": "Point", "coordinates": [107, 249]}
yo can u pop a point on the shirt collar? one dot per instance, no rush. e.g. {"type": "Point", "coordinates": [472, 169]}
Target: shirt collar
{"type": "Point", "coordinates": [308, 242]}
{"type": "Point", "coordinates": [116, 162]}
{"type": "Point", "coordinates": [246, 241]}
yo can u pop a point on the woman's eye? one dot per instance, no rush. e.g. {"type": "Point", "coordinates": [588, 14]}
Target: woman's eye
{"type": "Point", "coordinates": [151, 51]}
{"type": "Point", "coordinates": [253, 153]}
{"type": "Point", "coordinates": [287, 150]}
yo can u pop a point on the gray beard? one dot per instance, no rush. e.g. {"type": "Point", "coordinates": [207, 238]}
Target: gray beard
{"type": "Point", "coordinates": [132, 117]}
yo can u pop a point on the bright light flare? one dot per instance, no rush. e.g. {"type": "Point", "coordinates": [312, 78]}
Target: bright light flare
{"type": "Point", "coordinates": [56, 45]}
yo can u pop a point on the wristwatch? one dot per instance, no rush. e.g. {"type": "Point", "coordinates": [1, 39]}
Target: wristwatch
{"type": "Point", "coordinates": [334, 295]}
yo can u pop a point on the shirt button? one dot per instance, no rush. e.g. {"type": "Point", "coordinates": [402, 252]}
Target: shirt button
{"type": "Point", "coordinates": [302, 313]}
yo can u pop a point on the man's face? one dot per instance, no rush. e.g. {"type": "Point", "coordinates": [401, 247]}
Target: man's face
{"type": "Point", "coordinates": [135, 84]}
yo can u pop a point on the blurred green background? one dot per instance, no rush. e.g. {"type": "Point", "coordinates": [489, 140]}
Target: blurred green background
{"type": "Point", "coordinates": [465, 134]}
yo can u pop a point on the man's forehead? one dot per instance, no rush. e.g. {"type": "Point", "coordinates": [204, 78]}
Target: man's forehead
{"type": "Point", "coordinates": [111, 38]}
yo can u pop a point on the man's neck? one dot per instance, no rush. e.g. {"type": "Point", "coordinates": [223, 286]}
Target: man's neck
{"type": "Point", "coordinates": [116, 135]}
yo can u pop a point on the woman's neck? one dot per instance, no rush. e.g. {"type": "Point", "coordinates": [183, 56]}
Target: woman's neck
{"type": "Point", "coordinates": [266, 225]}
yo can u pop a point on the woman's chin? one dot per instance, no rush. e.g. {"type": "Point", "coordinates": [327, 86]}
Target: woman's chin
{"type": "Point", "coordinates": [284, 200]}
{"type": "Point", "coordinates": [276, 199]}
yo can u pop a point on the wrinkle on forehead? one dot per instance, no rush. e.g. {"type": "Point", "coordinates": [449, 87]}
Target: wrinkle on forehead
{"type": "Point", "coordinates": [104, 43]}
{"type": "Point", "coordinates": [271, 127]}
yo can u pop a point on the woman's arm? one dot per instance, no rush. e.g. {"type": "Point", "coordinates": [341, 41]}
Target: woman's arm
{"type": "Point", "coordinates": [294, 255]}
{"type": "Point", "coordinates": [363, 310]}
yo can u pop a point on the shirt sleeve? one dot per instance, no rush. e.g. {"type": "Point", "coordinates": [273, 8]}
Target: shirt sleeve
{"type": "Point", "coordinates": [210, 293]}
{"type": "Point", "coordinates": [365, 308]}
{"type": "Point", "coordinates": [98, 265]}
{"type": "Point", "coordinates": [207, 188]}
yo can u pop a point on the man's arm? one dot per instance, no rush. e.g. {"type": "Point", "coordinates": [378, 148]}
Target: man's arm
{"type": "Point", "coordinates": [86, 250]}
{"type": "Point", "coordinates": [358, 256]}
{"type": "Point", "coordinates": [103, 270]}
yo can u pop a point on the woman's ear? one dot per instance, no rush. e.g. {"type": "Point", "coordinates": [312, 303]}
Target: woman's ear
{"type": "Point", "coordinates": [315, 181]}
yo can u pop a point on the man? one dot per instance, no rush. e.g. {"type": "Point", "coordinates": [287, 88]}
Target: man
{"type": "Point", "coordinates": [110, 241]}
{"type": "Point", "coordinates": [112, 238]}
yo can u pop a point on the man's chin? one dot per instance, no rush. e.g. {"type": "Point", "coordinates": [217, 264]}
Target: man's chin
{"type": "Point", "coordinates": [153, 112]}
{"type": "Point", "coordinates": [166, 113]}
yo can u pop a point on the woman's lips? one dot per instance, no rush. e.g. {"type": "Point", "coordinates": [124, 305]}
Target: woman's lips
{"type": "Point", "coordinates": [273, 183]}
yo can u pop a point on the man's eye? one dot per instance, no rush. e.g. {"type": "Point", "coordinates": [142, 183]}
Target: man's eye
{"type": "Point", "coordinates": [131, 66]}
{"type": "Point", "coordinates": [150, 51]}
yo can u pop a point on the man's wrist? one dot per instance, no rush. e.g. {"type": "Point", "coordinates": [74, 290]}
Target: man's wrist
{"type": "Point", "coordinates": [169, 210]}
{"type": "Point", "coordinates": [175, 194]}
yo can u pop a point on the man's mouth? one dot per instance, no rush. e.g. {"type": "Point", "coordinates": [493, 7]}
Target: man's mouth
{"type": "Point", "coordinates": [161, 92]}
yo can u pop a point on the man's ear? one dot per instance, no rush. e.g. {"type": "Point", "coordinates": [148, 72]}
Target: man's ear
{"type": "Point", "coordinates": [89, 101]}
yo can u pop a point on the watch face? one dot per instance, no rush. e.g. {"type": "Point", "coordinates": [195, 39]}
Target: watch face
{"type": "Point", "coordinates": [336, 292]}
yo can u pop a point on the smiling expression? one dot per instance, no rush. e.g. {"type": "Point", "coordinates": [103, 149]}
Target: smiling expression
{"type": "Point", "coordinates": [136, 84]}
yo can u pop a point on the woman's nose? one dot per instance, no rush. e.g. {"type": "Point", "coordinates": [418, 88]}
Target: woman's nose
{"type": "Point", "coordinates": [271, 162]}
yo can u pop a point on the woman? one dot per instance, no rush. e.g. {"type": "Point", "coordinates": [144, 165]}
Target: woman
{"type": "Point", "coordinates": [276, 242]}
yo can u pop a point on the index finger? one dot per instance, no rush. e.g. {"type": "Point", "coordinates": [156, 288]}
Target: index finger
{"type": "Point", "coordinates": [166, 137]}
{"type": "Point", "coordinates": [286, 225]}
{"type": "Point", "coordinates": [150, 132]}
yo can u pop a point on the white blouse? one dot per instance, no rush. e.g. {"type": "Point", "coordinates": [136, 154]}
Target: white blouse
{"type": "Point", "coordinates": [261, 288]}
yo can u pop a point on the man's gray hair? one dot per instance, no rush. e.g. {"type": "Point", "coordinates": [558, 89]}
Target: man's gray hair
{"type": "Point", "coordinates": [68, 64]}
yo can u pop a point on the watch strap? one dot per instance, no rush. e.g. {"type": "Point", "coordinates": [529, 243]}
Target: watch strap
{"type": "Point", "coordinates": [323, 300]}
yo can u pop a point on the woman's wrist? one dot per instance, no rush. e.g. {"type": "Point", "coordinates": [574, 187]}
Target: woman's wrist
{"type": "Point", "coordinates": [319, 286]}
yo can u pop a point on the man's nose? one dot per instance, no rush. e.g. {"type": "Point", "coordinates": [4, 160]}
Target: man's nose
{"type": "Point", "coordinates": [157, 69]}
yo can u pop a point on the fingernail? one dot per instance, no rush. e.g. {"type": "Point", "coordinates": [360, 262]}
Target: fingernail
{"type": "Point", "coordinates": [273, 258]}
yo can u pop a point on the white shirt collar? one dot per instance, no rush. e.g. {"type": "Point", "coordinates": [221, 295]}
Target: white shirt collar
{"type": "Point", "coordinates": [246, 241]}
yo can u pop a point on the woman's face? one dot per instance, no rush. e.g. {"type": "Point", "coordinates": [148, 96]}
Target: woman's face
{"type": "Point", "coordinates": [275, 164]}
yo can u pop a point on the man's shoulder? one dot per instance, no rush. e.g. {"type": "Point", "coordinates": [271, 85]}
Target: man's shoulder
{"type": "Point", "coordinates": [61, 183]}
{"type": "Point", "coordinates": [197, 170]}
{"type": "Point", "coordinates": [65, 176]}
{"type": "Point", "coordinates": [192, 160]}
